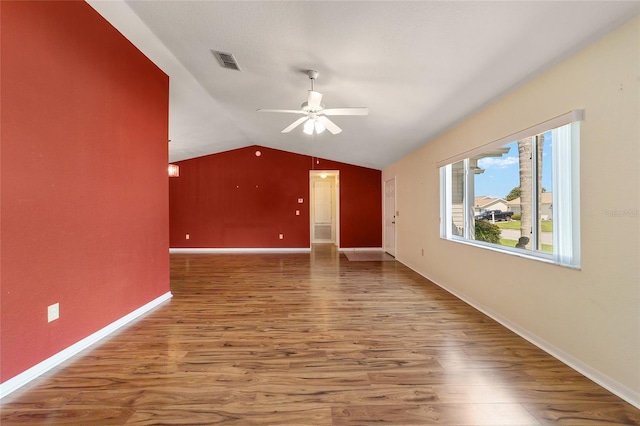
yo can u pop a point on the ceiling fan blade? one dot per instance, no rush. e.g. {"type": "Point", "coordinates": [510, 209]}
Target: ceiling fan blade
{"type": "Point", "coordinates": [346, 111]}
{"type": "Point", "coordinates": [314, 99]}
{"type": "Point", "coordinates": [289, 111]}
{"type": "Point", "coordinates": [295, 124]}
{"type": "Point", "coordinates": [330, 125]}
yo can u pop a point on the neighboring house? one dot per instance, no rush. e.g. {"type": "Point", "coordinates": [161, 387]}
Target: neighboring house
{"type": "Point", "coordinates": [546, 206]}
{"type": "Point", "coordinates": [483, 203]}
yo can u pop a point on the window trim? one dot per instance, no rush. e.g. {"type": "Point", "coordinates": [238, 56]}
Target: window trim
{"type": "Point", "coordinates": [566, 191]}
{"type": "Point", "coordinates": [573, 116]}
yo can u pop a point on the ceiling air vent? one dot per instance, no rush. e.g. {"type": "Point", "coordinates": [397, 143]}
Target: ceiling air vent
{"type": "Point", "coordinates": [227, 60]}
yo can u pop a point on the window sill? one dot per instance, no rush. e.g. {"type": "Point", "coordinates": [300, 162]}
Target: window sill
{"type": "Point", "coordinates": [540, 257]}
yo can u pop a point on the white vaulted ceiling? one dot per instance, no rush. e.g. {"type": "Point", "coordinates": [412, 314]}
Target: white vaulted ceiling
{"type": "Point", "coordinates": [420, 66]}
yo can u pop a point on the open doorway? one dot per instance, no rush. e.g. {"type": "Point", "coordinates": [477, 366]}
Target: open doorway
{"type": "Point", "coordinates": [324, 190]}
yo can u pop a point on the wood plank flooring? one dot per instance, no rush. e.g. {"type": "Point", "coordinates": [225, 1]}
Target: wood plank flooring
{"type": "Point", "coordinates": [312, 339]}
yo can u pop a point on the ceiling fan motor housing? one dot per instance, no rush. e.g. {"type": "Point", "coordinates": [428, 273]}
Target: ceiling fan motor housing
{"type": "Point", "coordinates": [311, 109]}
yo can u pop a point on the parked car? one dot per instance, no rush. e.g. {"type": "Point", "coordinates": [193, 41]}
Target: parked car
{"type": "Point", "coordinates": [495, 215]}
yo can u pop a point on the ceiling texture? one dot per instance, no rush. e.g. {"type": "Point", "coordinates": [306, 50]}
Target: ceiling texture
{"type": "Point", "coordinates": [419, 66]}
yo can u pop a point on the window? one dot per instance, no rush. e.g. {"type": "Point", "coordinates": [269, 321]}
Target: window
{"type": "Point", "coordinates": [519, 194]}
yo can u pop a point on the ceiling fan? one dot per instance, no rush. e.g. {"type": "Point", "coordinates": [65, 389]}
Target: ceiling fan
{"type": "Point", "coordinates": [315, 115]}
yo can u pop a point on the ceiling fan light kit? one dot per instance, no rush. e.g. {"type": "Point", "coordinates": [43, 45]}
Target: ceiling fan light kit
{"type": "Point", "coordinates": [315, 115]}
{"type": "Point", "coordinates": [313, 124]}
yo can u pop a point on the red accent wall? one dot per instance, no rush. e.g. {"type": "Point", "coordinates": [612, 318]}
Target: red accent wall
{"type": "Point", "coordinates": [236, 199]}
{"type": "Point", "coordinates": [83, 174]}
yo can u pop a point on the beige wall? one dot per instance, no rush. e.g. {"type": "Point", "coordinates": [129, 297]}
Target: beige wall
{"type": "Point", "coordinates": [589, 317]}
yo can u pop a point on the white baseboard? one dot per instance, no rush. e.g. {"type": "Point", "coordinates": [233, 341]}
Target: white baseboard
{"type": "Point", "coordinates": [613, 386]}
{"type": "Point", "coordinates": [196, 250]}
{"type": "Point", "coordinates": [239, 250]}
{"type": "Point", "coordinates": [37, 370]}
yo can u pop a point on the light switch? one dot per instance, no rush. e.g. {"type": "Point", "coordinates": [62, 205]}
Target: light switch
{"type": "Point", "coordinates": [53, 312]}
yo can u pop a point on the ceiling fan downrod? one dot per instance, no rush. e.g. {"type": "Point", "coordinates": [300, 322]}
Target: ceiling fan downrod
{"type": "Point", "coordinates": [312, 76]}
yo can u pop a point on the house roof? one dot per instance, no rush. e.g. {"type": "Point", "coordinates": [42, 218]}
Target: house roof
{"type": "Point", "coordinates": [484, 200]}
{"type": "Point", "coordinates": [420, 67]}
{"type": "Point", "coordinates": [545, 198]}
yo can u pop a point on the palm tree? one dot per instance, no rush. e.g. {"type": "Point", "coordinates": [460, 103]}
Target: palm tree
{"type": "Point", "coordinates": [539, 188]}
{"type": "Point", "coordinates": [526, 194]}
{"type": "Point", "coordinates": [524, 155]}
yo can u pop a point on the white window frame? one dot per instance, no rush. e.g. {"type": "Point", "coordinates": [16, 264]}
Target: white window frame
{"type": "Point", "coordinates": [566, 191]}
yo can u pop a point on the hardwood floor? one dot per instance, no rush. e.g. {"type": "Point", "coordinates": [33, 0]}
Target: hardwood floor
{"type": "Point", "coordinates": [312, 339]}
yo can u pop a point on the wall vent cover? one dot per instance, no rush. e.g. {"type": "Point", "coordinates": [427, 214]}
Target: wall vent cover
{"type": "Point", "coordinates": [226, 60]}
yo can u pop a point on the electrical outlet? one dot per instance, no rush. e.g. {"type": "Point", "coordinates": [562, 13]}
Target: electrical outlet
{"type": "Point", "coordinates": [423, 252]}
{"type": "Point", "coordinates": [281, 236]}
{"type": "Point", "coordinates": [297, 212]}
{"type": "Point", "coordinates": [186, 237]}
{"type": "Point", "coordinates": [53, 312]}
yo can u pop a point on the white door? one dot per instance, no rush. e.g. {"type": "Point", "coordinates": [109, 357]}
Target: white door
{"type": "Point", "coordinates": [390, 217]}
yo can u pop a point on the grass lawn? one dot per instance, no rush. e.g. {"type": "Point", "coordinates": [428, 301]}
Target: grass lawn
{"type": "Point", "coordinates": [512, 243]}
{"type": "Point", "coordinates": [508, 243]}
{"type": "Point", "coordinates": [547, 225]}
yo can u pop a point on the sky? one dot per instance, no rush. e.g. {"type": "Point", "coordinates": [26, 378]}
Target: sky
{"type": "Point", "coordinates": [501, 174]}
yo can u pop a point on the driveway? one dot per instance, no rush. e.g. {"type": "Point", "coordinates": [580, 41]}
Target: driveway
{"type": "Point", "coordinates": [514, 234]}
